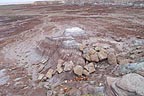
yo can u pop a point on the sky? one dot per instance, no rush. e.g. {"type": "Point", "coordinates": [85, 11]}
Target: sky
{"type": "Point", "coordinates": [6, 2]}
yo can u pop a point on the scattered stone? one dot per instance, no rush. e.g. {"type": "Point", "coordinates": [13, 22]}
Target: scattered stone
{"type": "Point", "coordinates": [50, 73]}
{"type": "Point", "coordinates": [40, 77]}
{"type": "Point", "coordinates": [81, 47]}
{"type": "Point", "coordinates": [60, 61]}
{"type": "Point", "coordinates": [59, 66]}
{"type": "Point", "coordinates": [102, 55]}
{"type": "Point", "coordinates": [78, 70]}
{"type": "Point", "coordinates": [90, 68]}
{"type": "Point", "coordinates": [87, 57]}
{"type": "Point", "coordinates": [68, 66]}
{"type": "Point", "coordinates": [112, 59]}
{"type": "Point", "coordinates": [91, 51]}
{"type": "Point", "coordinates": [49, 93]}
{"type": "Point", "coordinates": [85, 72]}
{"type": "Point", "coordinates": [41, 67]}
{"type": "Point", "coordinates": [94, 57]}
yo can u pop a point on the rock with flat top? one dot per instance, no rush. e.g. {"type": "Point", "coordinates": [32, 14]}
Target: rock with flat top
{"type": "Point", "coordinates": [94, 57]}
{"type": "Point", "coordinates": [78, 70]}
{"type": "Point", "coordinates": [102, 55]}
{"type": "Point", "coordinates": [90, 68]}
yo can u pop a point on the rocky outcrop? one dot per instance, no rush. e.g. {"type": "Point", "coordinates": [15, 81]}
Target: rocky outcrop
{"type": "Point", "coordinates": [130, 68]}
{"type": "Point", "coordinates": [129, 85]}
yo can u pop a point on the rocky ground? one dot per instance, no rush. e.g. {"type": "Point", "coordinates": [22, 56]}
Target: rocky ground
{"type": "Point", "coordinates": [59, 50]}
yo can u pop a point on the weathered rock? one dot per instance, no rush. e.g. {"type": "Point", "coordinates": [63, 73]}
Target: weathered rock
{"type": "Point", "coordinates": [132, 83]}
{"type": "Point", "coordinates": [50, 73]}
{"type": "Point", "coordinates": [102, 54]}
{"type": "Point", "coordinates": [60, 61]}
{"type": "Point", "coordinates": [90, 67]}
{"type": "Point", "coordinates": [74, 31]}
{"type": "Point", "coordinates": [87, 57]}
{"type": "Point", "coordinates": [94, 57]}
{"type": "Point", "coordinates": [129, 85]}
{"type": "Point", "coordinates": [112, 59]}
{"type": "Point", "coordinates": [40, 77]}
{"type": "Point", "coordinates": [49, 93]}
{"type": "Point", "coordinates": [91, 51]}
{"type": "Point", "coordinates": [85, 72]}
{"type": "Point", "coordinates": [74, 92]}
{"type": "Point", "coordinates": [59, 68]}
{"type": "Point", "coordinates": [81, 47]}
{"type": "Point", "coordinates": [124, 61]}
{"type": "Point", "coordinates": [68, 66]}
{"type": "Point", "coordinates": [71, 43]}
{"type": "Point", "coordinates": [78, 70]}
{"type": "Point", "coordinates": [130, 68]}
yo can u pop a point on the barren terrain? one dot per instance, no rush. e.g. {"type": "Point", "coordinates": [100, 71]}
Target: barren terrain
{"type": "Point", "coordinates": [34, 39]}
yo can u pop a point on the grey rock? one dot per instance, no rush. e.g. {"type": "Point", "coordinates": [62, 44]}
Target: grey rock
{"type": "Point", "coordinates": [130, 68]}
{"type": "Point", "coordinates": [132, 83]}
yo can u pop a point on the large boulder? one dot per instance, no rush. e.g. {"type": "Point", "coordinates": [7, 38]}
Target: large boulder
{"type": "Point", "coordinates": [129, 85]}
{"type": "Point", "coordinates": [132, 83]}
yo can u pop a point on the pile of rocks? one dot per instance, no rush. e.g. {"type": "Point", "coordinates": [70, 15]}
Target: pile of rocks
{"type": "Point", "coordinates": [97, 54]}
{"type": "Point", "coordinates": [68, 66]}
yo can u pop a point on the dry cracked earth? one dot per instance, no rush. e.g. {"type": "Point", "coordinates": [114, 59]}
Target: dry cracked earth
{"type": "Point", "coordinates": [60, 50]}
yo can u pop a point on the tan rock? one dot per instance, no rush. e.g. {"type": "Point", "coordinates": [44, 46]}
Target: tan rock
{"type": "Point", "coordinates": [59, 69]}
{"type": "Point", "coordinates": [94, 57]}
{"type": "Point", "coordinates": [41, 76]}
{"type": "Point", "coordinates": [90, 67]}
{"type": "Point", "coordinates": [68, 66]}
{"type": "Point", "coordinates": [91, 51]}
{"type": "Point", "coordinates": [78, 70]}
{"type": "Point", "coordinates": [87, 57]}
{"type": "Point", "coordinates": [112, 59]}
{"type": "Point", "coordinates": [50, 73]}
{"type": "Point", "coordinates": [85, 72]}
{"type": "Point", "coordinates": [102, 55]}
{"type": "Point", "coordinates": [81, 47]}
{"type": "Point", "coordinates": [60, 62]}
